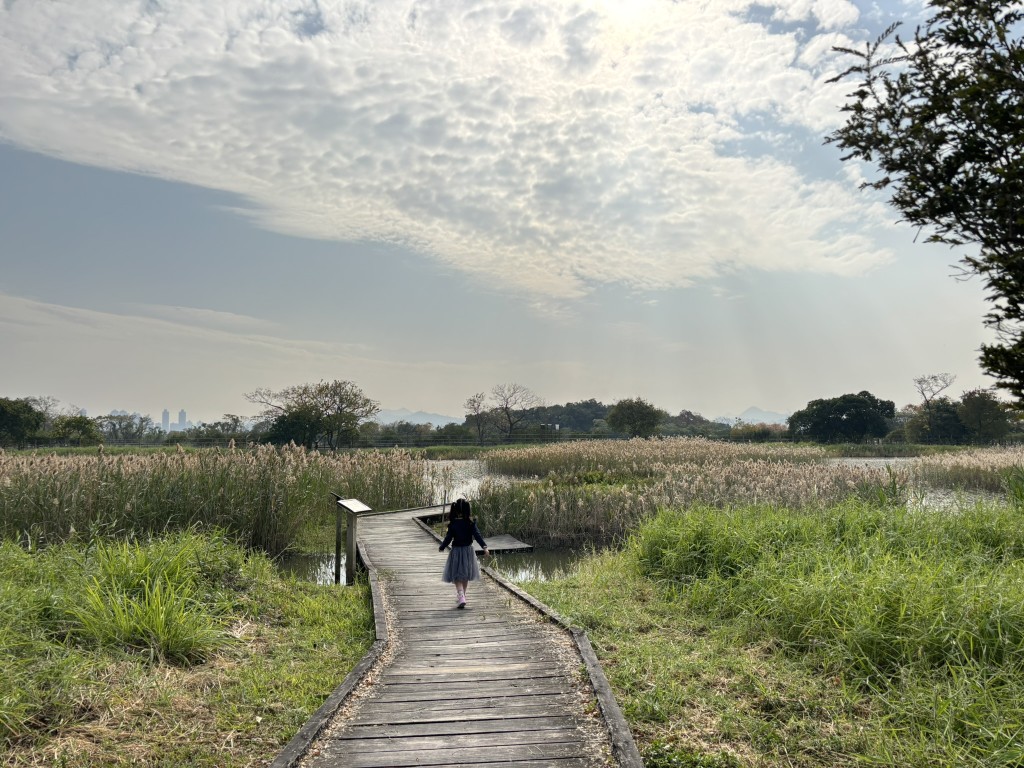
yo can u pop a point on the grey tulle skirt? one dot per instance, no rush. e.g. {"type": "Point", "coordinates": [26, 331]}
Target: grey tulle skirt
{"type": "Point", "coordinates": [461, 565]}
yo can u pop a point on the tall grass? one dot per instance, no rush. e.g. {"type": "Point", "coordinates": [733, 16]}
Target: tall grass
{"type": "Point", "coordinates": [981, 469]}
{"type": "Point", "coordinates": [924, 610]}
{"type": "Point", "coordinates": [263, 495]}
{"type": "Point", "coordinates": [165, 599]}
{"type": "Point", "coordinates": [183, 649]}
{"type": "Point", "coordinates": [600, 502]}
{"type": "Point", "coordinates": [618, 459]}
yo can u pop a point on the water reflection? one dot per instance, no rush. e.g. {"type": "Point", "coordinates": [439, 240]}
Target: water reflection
{"type": "Point", "coordinates": [539, 565]}
{"type": "Point", "coordinates": [465, 475]}
{"type": "Point", "coordinates": [316, 568]}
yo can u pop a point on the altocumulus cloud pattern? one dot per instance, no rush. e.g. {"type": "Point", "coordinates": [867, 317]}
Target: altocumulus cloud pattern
{"type": "Point", "coordinates": [554, 146]}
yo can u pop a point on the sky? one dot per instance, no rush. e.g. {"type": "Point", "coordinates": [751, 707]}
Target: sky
{"type": "Point", "coordinates": [592, 199]}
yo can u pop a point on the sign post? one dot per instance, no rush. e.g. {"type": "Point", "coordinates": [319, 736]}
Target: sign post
{"type": "Point", "coordinates": [352, 508]}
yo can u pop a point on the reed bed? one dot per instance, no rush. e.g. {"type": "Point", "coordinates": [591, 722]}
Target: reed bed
{"type": "Point", "coordinates": [638, 458]}
{"type": "Point", "coordinates": [262, 495]}
{"type": "Point", "coordinates": [979, 469]}
{"type": "Point", "coordinates": [575, 511]}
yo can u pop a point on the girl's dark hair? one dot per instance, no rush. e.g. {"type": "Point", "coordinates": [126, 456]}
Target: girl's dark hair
{"type": "Point", "coordinates": [460, 509]}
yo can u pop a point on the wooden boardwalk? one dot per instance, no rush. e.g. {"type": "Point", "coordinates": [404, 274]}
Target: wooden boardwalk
{"type": "Point", "coordinates": [493, 685]}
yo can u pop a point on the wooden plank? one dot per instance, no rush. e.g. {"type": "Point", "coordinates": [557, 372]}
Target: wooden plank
{"type": "Point", "coordinates": [402, 693]}
{"type": "Point", "coordinates": [458, 755]}
{"type": "Point", "coordinates": [470, 670]}
{"type": "Point", "coordinates": [399, 708]}
{"type": "Point", "coordinates": [392, 676]}
{"type": "Point", "coordinates": [451, 714]}
{"type": "Point", "coordinates": [433, 741]}
{"type": "Point", "coordinates": [504, 725]}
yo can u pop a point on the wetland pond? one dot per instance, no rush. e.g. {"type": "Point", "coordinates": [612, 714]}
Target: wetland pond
{"type": "Point", "coordinates": [538, 565]}
{"type": "Point", "coordinates": [541, 565]}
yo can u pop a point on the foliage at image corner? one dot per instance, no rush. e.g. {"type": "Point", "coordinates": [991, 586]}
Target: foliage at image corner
{"type": "Point", "coordinates": [65, 652]}
{"type": "Point", "coordinates": [940, 116]}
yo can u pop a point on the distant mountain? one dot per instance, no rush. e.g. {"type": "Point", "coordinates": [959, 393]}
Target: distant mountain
{"type": "Point", "coordinates": [415, 417]}
{"type": "Point", "coordinates": [756, 416]}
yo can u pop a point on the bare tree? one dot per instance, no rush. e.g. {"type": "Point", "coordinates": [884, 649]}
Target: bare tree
{"type": "Point", "coordinates": [511, 403]}
{"type": "Point", "coordinates": [476, 413]}
{"type": "Point", "coordinates": [929, 388]}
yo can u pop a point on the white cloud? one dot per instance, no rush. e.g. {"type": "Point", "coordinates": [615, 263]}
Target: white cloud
{"type": "Point", "coordinates": [205, 318]}
{"type": "Point", "coordinates": [108, 361]}
{"type": "Point", "coordinates": [551, 146]}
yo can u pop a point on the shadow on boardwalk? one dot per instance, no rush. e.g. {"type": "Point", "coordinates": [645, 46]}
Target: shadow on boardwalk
{"type": "Point", "coordinates": [502, 683]}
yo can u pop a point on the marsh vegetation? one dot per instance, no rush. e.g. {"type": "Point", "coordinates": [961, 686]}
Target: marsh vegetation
{"type": "Point", "coordinates": [753, 604]}
{"type": "Point", "coordinates": [764, 606]}
{"type": "Point", "coordinates": [142, 618]}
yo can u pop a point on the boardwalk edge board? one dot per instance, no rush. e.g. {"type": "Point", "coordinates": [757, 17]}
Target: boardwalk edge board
{"type": "Point", "coordinates": [296, 749]}
{"type": "Point", "coordinates": [623, 745]}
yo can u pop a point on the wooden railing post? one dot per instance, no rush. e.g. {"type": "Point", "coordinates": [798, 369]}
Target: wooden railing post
{"type": "Point", "coordinates": [350, 546]}
{"type": "Point", "coordinates": [352, 508]}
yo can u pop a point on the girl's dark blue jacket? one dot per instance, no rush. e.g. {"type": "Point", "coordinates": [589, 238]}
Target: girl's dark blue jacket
{"type": "Point", "coordinates": [461, 533]}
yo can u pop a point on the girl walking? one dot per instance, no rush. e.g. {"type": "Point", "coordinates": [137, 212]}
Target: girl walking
{"type": "Point", "coordinates": [461, 566]}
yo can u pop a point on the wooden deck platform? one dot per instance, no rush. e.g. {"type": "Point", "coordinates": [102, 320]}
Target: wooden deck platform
{"type": "Point", "coordinates": [496, 543]}
{"type": "Point", "coordinates": [495, 684]}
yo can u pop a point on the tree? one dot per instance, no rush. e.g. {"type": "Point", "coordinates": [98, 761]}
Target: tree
{"type": "Point", "coordinates": [511, 404]}
{"type": "Point", "coordinates": [636, 417]}
{"type": "Point", "coordinates": [76, 428]}
{"type": "Point", "coordinates": [476, 414]}
{"type": "Point", "coordinates": [848, 418]}
{"type": "Point", "coordinates": [578, 417]}
{"type": "Point", "coordinates": [984, 417]}
{"type": "Point", "coordinates": [756, 433]}
{"type": "Point", "coordinates": [693, 424]}
{"type": "Point", "coordinates": [229, 427]}
{"type": "Point", "coordinates": [314, 415]}
{"type": "Point", "coordinates": [929, 388]}
{"type": "Point", "coordinates": [18, 421]}
{"type": "Point", "coordinates": [942, 118]}
{"type": "Point", "coordinates": [127, 428]}
{"type": "Point", "coordinates": [939, 423]}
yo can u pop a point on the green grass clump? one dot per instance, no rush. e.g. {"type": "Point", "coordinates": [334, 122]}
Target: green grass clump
{"type": "Point", "coordinates": [826, 637]}
{"type": "Point", "coordinates": [180, 650]}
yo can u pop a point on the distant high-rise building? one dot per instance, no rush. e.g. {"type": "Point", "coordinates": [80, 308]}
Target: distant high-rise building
{"type": "Point", "coordinates": [165, 420]}
{"type": "Point", "coordinates": [182, 421]}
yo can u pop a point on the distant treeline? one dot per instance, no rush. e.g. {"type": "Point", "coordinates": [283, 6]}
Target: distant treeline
{"type": "Point", "coordinates": [337, 415]}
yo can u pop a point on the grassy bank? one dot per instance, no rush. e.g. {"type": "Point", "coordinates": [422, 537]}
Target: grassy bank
{"type": "Point", "coordinates": [858, 633]}
{"type": "Point", "coordinates": [183, 650]}
{"type": "Point", "coordinates": [263, 496]}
